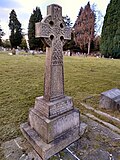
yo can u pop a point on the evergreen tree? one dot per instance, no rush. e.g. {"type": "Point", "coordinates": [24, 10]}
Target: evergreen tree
{"type": "Point", "coordinates": [67, 21]}
{"type": "Point", "coordinates": [1, 34]}
{"type": "Point", "coordinates": [6, 43]}
{"type": "Point", "coordinates": [96, 43]}
{"type": "Point", "coordinates": [23, 44]}
{"type": "Point", "coordinates": [16, 30]}
{"type": "Point", "coordinates": [69, 45]}
{"type": "Point", "coordinates": [85, 28]}
{"type": "Point", "coordinates": [110, 37]}
{"type": "Point", "coordinates": [34, 43]}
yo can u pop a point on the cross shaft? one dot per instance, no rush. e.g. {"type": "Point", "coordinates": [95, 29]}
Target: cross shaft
{"type": "Point", "coordinates": [54, 33]}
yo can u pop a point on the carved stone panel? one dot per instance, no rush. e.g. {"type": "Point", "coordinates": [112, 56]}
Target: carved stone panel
{"type": "Point", "coordinates": [54, 33]}
{"type": "Point", "coordinates": [57, 83]}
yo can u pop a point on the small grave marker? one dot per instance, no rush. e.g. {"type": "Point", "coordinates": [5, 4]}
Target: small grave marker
{"type": "Point", "coordinates": [110, 99]}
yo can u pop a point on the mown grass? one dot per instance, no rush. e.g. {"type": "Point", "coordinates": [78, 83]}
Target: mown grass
{"type": "Point", "coordinates": [21, 80]}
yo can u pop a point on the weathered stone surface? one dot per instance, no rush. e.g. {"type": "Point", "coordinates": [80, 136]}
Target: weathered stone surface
{"type": "Point", "coordinates": [55, 108]}
{"type": "Point", "coordinates": [19, 149]}
{"type": "Point", "coordinates": [54, 33]}
{"type": "Point", "coordinates": [97, 155]}
{"type": "Point", "coordinates": [105, 116]}
{"type": "Point", "coordinates": [50, 129]}
{"type": "Point", "coordinates": [110, 99]}
{"type": "Point", "coordinates": [97, 144]}
{"type": "Point", "coordinates": [53, 122]}
{"type": "Point", "coordinates": [109, 125]}
{"type": "Point", "coordinates": [12, 151]}
{"type": "Point", "coordinates": [47, 150]}
{"type": "Point", "coordinates": [83, 129]}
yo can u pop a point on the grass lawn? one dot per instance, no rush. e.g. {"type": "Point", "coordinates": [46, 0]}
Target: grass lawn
{"type": "Point", "coordinates": [21, 80]}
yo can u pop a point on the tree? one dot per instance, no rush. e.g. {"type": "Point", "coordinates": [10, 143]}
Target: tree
{"type": "Point", "coordinates": [6, 43]}
{"type": "Point", "coordinates": [34, 43]}
{"type": "Point", "coordinates": [110, 37]}
{"type": "Point", "coordinates": [85, 28]}
{"type": "Point", "coordinates": [69, 45]}
{"type": "Point", "coordinates": [23, 44]}
{"type": "Point", "coordinates": [96, 43]}
{"type": "Point", "coordinates": [1, 34]}
{"type": "Point", "coordinates": [16, 30]}
{"type": "Point", "coordinates": [67, 21]}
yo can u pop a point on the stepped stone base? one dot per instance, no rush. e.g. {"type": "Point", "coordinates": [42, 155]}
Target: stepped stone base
{"type": "Point", "coordinates": [47, 150]}
{"type": "Point", "coordinates": [52, 126]}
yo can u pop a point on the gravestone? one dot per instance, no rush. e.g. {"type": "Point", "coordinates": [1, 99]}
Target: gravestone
{"type": "Point", "coordinates": [13, 51]}
{"type": "Point", "coordinates": [54, 123]}
{"type": "Point", "coordinates": [110, 99]}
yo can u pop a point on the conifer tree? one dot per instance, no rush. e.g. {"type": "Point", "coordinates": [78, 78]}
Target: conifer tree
{"type": "Point", "coordinates": [1, 34]}
{"type": "Point", "coordinates": [69, 45]}
{"type": "Point", "coordinates": [85, 28]}
{"type": "Point", "coordinates": [16, 30]}
{"type": "Point", "coordinates": [110, 37]}
{"type": "Point", "coordinates": [34, 43]}
{"type": "Point", "coordinates": [67, 21]}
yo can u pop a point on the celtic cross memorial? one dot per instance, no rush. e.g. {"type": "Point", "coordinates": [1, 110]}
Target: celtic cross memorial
{"type": "Point", "coordinates": [53, 122]}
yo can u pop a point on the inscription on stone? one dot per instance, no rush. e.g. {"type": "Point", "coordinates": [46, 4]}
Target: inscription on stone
{"type": "Point", "coordinates": [50, 109]}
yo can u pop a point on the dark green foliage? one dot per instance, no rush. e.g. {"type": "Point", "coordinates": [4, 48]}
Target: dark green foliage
{"type": "Point", "coordinates": [95, 44]}
{"type": "Point", "coordinates": [70, 45]}
{"type": "Point", "coordinates": [34, 43]}
{"type": "Point", "coordinates": [110, 37]}
{"type": "Point", "coordinates": [23, 44]}
{"type": "Point", "coordinates": [0, 42]}
{"type": "Point", "coordinates": [1, 34]}
{"type": "Point", "coordinates": [16, 30]}
{"type": "Point", "coordinates": [6, 43]}
{"type": "Point", "coordinates": [67, 21]}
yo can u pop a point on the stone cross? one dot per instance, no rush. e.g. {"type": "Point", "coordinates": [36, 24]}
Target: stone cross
{"type": "Point", "coordinates": [54, 33]}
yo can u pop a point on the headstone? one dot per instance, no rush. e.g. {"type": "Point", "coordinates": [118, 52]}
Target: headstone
{"type": "Point", "coordinates": [110, 99]}
{"type": "Point", "coordinates": [14, 51]}
{"type": "Point", "coordinates": [54, 123]}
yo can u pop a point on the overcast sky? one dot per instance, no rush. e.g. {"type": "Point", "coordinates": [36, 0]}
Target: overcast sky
{"type": "Point", "coordinates": [24, 8]}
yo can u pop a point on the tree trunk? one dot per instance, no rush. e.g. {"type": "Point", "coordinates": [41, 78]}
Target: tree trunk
{"type": "Point", "coordinates": [89, 46]}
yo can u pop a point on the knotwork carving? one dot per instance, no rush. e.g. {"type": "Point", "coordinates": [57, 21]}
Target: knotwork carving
{"type": "Point", "coordinates": [54, 33]}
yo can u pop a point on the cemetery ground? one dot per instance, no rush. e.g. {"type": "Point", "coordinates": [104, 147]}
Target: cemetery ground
{"type": "Point", "coordinates": [21, 81]}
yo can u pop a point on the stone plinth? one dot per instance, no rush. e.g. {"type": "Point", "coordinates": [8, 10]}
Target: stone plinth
{"type": "Point", "coordinates": [50, 129]}
{"type": "Point", "coordinates": [110, 99]}
{"type": "Point", "coordinates": [52, 126]}
{"type": "Point", "coordinates": [55, 108]}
